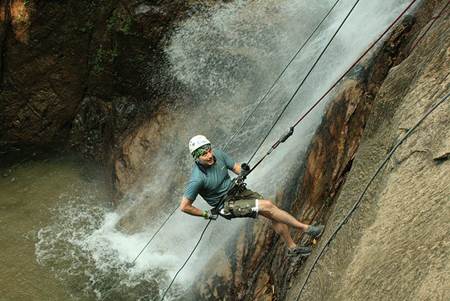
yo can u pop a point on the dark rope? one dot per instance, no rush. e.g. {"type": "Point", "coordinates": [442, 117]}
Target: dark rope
{"type": "Point", "coordinates": [315, 63]}
{"type": "Point", "coordinates": [154, 235]}
{"type": "Point", "coordinates": [248, 117]}
{"type": "Point", "coordinates": [304, 79]}
{"type": "Point", "coordinates": [282, 72]}
{"type": "Point", "coordinates": [429, 27]}
{"type": "Point", "coordinates": [187, 259]}
{"type": "Point", "coordinates": [356, 204]}
{"type": "Point", "coordinates": [334, 85]}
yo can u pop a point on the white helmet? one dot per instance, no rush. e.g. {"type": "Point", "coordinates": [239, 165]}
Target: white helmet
{"type": "Point", "coordinates": [196, 142]}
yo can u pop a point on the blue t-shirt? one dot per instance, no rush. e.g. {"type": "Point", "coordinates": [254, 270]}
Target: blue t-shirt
{"type": "Point", "coordinates": [211, 182]}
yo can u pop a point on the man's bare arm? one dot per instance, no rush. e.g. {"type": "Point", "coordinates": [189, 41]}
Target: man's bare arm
{"type": "Point", "coordinates": [186, 207]}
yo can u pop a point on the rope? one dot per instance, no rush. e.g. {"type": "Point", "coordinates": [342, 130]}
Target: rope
{"type": "Point", "coordinates": [154, 235]}
{"type": "Point", "coordinates": [248, 117]}
{"type": "Point", "coordinates": [332, 87]}
{"type": "Point", "coordinates": [285, 107]}
{"type": "Point", "coordinates": [304, 79]}
{"type": "Point", "coordinates": [356, 204]}
{"type": "Point", "coordinates": [429, 27]}
{"type": "Point", "coordinates": [282, 72]}
{"type": "Point", "coordinates": [187, 259]}
{"type": "Point", "coordinates": [309, 72]}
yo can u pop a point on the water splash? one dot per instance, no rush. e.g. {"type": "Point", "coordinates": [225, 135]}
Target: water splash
{"type": "Point", "coordinates": [85, 251]}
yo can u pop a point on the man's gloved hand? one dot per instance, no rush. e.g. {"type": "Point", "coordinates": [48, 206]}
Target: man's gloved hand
{"type": "Point", "coordinates": [209, 215]}
{"type": "Point", "coordinates": [245, 170]}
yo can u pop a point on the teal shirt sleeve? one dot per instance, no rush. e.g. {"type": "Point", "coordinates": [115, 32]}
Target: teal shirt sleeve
{"type": "Point", "coordinates": [192, 189]}
{"type": "Point", "coordinates": [229, 162]}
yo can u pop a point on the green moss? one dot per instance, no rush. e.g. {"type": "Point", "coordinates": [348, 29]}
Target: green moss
{"type": "Point", "coordinates": [87, 27]}
{"type": "Point", "coordinates": [119, 22]}
{"type": "Point", "coordinates": [104, 57]}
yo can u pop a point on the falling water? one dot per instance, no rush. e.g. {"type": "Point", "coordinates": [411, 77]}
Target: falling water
{"type": "Point", "coordinates": [224, 59]}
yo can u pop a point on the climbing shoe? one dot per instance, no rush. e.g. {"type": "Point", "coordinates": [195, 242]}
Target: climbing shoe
{"type": "Point", "coordinates": [314, 230]}
{"type": "Point", "coordinates": [298, 251]}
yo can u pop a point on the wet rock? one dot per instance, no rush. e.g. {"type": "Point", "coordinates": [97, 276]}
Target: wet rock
{"type": "Point", "coordinates": [91, 126]}
{"type": "Point", "coordinates": [57, 57]}
{"type": "Point", "coordinates": [383, 81]}
{"type": "Point", "coordinates": [383, 251]}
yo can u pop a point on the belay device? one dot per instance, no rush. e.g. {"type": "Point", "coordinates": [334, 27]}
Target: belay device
{"type": "Point", "coordinates": [237, 186]}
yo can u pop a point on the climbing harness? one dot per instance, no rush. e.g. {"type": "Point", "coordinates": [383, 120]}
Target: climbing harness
{"type": "Point", "coordinates": [244, 204]}
{"type": "Point", "coordinates": [358, 201]}
{"type": "Point", "coordinates": [238, 186]}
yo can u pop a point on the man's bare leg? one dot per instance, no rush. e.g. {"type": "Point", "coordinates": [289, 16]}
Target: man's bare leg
{"type": "Point", "coordinates": [283, 230]}
{"type": "Point", "coordinates": [272, 212]}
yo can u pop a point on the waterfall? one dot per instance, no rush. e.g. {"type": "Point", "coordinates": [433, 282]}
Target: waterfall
{"type": "Point", "coordinates": [224, 59]}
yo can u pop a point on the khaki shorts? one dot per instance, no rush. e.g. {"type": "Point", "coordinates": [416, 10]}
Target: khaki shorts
{"type": "Point", "coordinates": [244, 204]}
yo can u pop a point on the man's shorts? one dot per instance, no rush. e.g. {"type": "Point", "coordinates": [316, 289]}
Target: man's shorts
{"type": "Point", "coordinates": [244, 204]}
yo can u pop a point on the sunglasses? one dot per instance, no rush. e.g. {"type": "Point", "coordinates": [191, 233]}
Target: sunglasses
{"type": "Point", "coordinates": [201, 151]}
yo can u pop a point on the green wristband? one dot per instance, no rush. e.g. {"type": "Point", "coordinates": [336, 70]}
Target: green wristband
{"type": "Point", "coordinates": [205, 214]}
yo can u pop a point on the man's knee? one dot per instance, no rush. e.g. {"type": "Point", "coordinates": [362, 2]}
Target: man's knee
{"type": "Point", "coordinates": [266, 205]}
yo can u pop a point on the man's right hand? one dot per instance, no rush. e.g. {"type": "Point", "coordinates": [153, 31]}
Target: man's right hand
{"type": "Point", "coordinates": [245, 170]}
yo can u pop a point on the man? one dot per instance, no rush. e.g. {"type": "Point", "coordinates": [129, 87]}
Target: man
{"type": "Point", "coordinates": [211, 180]}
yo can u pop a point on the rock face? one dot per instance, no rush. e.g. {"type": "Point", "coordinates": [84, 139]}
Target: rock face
{"type": "Point", "coordinates": [406, 211]}
{"type": "Point", "coordinates": [395, 247]}
{"type": "Point", "coordinates": [82, 74]}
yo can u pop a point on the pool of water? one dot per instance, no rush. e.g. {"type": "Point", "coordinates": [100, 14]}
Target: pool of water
{"type": "Point", "coordinates": [33, 195]}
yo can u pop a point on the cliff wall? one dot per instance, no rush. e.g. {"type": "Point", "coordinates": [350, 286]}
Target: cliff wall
{"type": "Point", "coordinates": [82, 75]}
{"type": "Point", "coordinates": [388, 92]}
{"type": "Point", "coordinates": [396, 245]}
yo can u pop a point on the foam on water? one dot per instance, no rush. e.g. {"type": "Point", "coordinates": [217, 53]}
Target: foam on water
{"type": "Point", "coordinates": [86, 252]}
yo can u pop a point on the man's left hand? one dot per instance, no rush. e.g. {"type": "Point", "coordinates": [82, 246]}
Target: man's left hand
{"type": "Point", "coordinates": [209, 215]}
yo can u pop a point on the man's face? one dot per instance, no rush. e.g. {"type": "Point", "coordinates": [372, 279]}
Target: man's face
{"type": "Point", "coordinates": [207, 158]}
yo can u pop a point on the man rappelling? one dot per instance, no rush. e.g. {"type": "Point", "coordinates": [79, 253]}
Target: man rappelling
{"type": "Point", "coordinates": [231, 198]}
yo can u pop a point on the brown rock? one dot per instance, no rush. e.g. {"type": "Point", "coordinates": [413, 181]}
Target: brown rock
{"type": "Point", "coordinates": [395, 246]}
{"type": "Point", "coordinates": [335, 150]}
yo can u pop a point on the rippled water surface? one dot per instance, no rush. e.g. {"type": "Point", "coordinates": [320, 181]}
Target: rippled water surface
{"type": "Point", "coordinates": [32, 195]}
